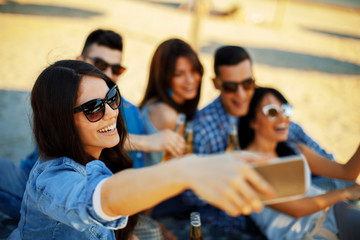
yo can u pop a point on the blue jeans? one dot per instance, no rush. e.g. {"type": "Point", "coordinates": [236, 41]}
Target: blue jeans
{"type": "Point", "coordinates": [12, 186]}
{"type": "Point", "coordinates": [347, 219]}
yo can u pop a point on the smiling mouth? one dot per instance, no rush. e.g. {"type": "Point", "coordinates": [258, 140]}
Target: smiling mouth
{"type": "Point", "coordinates": [239, 104]}
{"type": "Point", "coordinates": [110, 128]}
{"type": "Point", "coordinates": [281, 127]}
{"type": "Point", "coordinates": [189, 88]}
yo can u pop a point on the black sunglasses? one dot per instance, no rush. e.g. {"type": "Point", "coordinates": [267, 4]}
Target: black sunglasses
{"type": "Point", "coordinates": [231, 87]}
{"type": "Point", "coordinates": [94, 110]}
{"type": "Point", "coordinates": [101, 64]}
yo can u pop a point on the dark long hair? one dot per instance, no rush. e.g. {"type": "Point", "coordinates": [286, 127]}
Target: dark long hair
{"type": "Point", "coordinates": [162, 70]}
{"type": "Point", "coordinates": [53, 99]}
{"type": "Point", "coordinates": [246, 133]}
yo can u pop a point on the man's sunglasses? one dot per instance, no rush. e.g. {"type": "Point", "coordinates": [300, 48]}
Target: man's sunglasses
{"type": "Point", "coordinates": [101, 64]}
{"type": "Point", "coordinates": [273, 111]}
{"type": "Point", "coordinates": [232, 87]}
{"type": "Point", "coordinates": [94, 110]}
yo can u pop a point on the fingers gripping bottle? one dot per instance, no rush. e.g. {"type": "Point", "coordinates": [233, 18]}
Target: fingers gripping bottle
{"type": "Point", "coordinates": [179, 128]}
{"type": "Point", "coordinates": [189, 148]}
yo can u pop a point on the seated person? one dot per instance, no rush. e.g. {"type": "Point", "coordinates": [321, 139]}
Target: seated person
{"type": "Point", "coordinates": [173, 87]}
{"type": "Point", "coordinates": [83, 186]}
{"type": "Point", "coordinates": [103, 49]}
{"type": "Point", "coordinates": [265, 130]}
{"type": "Point", "coordinates": [236, 83]}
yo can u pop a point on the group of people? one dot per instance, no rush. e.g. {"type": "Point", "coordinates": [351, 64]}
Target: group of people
{"type": "Point", "coordinates": [96, 171]}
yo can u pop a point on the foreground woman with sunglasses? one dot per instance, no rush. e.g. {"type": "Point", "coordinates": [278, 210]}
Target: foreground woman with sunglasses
{"type": "Point", "coordinates": [265, 130]}
{"type": "Point", "coordinates": [76, 189]}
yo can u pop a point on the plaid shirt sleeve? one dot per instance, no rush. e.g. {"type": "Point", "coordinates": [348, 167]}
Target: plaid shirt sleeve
{"type": "Point", "coordinates": [201, 139]}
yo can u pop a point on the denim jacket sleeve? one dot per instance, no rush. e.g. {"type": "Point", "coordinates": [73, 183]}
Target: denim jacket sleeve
{"type": "Point", "coordinates": [63, 191]}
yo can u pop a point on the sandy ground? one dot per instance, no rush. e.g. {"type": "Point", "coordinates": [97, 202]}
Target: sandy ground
{"type": "Point", "coordinates": [311, 54]}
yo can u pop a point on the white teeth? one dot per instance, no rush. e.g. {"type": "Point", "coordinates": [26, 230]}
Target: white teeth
{"type": "Point", "coordinates": [281, 126]}
{"type": "Point", "coordinates": [189, 88]}
{"type": "Point", "coordinates": [107, 129]}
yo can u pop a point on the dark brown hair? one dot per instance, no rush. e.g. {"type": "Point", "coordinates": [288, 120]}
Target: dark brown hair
{"type": "Point", "coordinates": [162, 70]}
{"type": "Point", "coordinates": [246, 134]}
{"type": "Point", "coordinates": [53, 99]}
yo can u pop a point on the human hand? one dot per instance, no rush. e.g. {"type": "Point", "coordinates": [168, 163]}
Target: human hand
{"type": "Point", "coordinates": [227, 182]}
{"type": "Point", "coordinates": [166, 233]}
{"type": "Point", "coordinates": [167, 140]}
{"type": "Point", "coordinates": [352, 192]}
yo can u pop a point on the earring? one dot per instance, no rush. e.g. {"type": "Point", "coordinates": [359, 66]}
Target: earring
{"type": "Point", "coordinates": [170, 92]}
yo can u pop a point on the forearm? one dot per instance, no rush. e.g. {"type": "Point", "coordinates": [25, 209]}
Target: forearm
{"type": "Point", "coordinates": [136, 143]}
{"type": "Point", "coordinates": [306, 206]}
{"type": "Point", "coordinates": [223, 180]}
{"type": "Point", "coordinates": [132, 191]}
{"type": "Point", "coordinates": [352, 167]}
{"type": "Point", "coordinates": [322, 166]}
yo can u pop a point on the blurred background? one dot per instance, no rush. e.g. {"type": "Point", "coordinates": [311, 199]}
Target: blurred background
{"type": "Point", "coordinates": [309, 50]}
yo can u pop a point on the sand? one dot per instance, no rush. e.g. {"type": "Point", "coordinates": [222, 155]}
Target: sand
{"type": "Point", "coordinates": [311, 54]}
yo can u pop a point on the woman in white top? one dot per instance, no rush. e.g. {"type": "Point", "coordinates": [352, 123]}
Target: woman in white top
{"type": "Point", "coordinates": [265, 130]}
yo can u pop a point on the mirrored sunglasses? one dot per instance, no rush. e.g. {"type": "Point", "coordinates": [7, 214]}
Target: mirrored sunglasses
{"type": "Point", "coordinates": [273, 111]}
{"type": "Point", "coordinates": [101, 64]}
{"type": "Point", "coordinates": [232, 87]}
{"type": "Point", "coordinates": [94, 110]}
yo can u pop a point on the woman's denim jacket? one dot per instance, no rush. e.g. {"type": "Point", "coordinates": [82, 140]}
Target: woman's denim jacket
{"type": "Point", "coordinates": [57, 202]}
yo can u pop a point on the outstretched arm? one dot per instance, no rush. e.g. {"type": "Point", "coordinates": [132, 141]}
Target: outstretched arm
{"type": "Point", "coordinates": [322, 166]}
{"type": "Point", "coordinates": [223, 180]}
{"type": "Point", "coordinates": [306, 206]}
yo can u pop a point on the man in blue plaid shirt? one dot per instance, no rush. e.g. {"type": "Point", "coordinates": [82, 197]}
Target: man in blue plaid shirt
{"type": "Point", "coordinates": [234, 79]}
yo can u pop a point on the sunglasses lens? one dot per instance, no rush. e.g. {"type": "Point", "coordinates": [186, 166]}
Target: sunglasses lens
{"type": "Point", "coordinates": [287, 109]}
{"type": "Point", "coordinates": [248, 84]}
{"type": "Point", "coordinates": [113, 98]}
{"type": "Point", "coordinates": [94, 110]}
{"type": "Point", "coordinates": [272, 113]}
{"type": "Point", "coordinates": [100, 64]}
{"type": "Point", "coordinates": [229, 87]}
{"type": "Point", "coordinates": [117, 69]}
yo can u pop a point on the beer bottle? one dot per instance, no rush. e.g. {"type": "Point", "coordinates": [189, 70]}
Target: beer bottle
{"type": "Point", "coordinates": [195, 227]}
{"type": "Point", "coordinates": [189, 138]}
{"type": "Point", "coordinates": [233, 141]}
{"type": "Point", "coordinates": [179, 128]}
